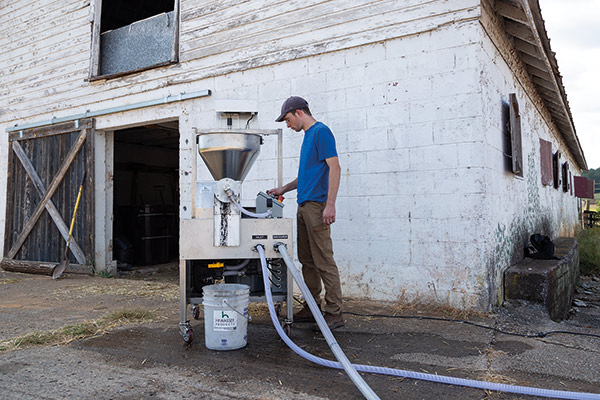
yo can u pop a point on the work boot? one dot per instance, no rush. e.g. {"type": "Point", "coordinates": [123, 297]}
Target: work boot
{"type": "Point", "coordinates": [333, 321]}
{"type": "Point", "coordinates": [304, 315]}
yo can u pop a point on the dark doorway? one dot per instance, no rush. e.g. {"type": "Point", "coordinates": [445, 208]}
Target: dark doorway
{"type": "Point", "coordinates": [146, 195]}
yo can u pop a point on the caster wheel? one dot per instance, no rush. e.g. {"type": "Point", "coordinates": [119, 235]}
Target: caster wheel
{"type": "Point", "coordinates": [196, 312]}
{"type": "Point", "coordinates": [287, 328]}
{"type": "Point", "coordinates": [188, 336]}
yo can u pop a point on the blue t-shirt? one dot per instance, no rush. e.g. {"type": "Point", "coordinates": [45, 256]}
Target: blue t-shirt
{"type": "Point", "coordinates": [313, 171]}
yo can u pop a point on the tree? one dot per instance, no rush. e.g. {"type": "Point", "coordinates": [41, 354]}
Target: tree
{"type": "Point", "coordinates": [592, 174]}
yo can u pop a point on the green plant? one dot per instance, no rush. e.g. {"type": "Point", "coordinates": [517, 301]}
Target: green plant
{"type": "Point", "coordinates": [104, 274]}
{"type": "Point", "coordinates": [589, 251]}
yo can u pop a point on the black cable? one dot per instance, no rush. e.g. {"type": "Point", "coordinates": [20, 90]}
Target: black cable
{"type": "Point", "coordinates": [461, 321]}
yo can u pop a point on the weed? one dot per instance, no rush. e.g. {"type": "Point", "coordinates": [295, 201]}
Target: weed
{"type": "Point", "coordinates": [128, 316]}
{"type": "Point", "coordinates": [589, 251]}
{"type": "Point", "coordinates": [104, 274]}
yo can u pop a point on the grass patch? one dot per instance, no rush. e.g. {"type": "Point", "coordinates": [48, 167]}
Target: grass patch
{"type": "Point", "coordinates": [69, 333]}
{"type": "Point", "coordinates": [125, 287]}
{"type": "Point", "coordinates": [589, 251]}
{"type": "Point", "coordinates": [6, 281]}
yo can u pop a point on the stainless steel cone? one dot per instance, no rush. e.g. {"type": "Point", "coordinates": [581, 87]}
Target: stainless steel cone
{"type": "Point", "coordinates": [229, 154]}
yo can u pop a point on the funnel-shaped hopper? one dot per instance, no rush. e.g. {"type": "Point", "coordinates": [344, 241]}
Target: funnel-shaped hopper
{"type": "Point", "coordinates": [228, 154]}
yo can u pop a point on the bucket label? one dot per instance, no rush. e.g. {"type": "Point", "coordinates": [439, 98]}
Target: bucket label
{"type": "Point", "coordinates": [224, 320]}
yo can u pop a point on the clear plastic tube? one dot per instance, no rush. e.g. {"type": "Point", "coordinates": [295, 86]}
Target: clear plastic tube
{"type": "Point", "coordinates": [250, 213]}
{"type": "Point", "coordinates": [333, 345]}
{"type": "Point", "coordinates": [501, 387]}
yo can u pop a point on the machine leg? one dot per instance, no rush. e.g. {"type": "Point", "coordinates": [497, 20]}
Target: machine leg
{"type": "Point", "coordinates": [289, 318]}
{"type": "Point", "coordinates": [184, 324]}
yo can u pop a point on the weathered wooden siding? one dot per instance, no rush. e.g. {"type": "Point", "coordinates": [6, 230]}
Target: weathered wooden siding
{"type": "Point", "coordinates": [46, 155]}
{"type": "Point", "coordinates": [44, 46]}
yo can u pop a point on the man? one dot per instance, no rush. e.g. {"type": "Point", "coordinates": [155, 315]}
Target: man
{"type": "Point", "coordinates": [317, 184]}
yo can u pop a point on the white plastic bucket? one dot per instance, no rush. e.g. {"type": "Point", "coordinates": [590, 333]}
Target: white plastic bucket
{"type": "Point", "coordinates": [226, 315]}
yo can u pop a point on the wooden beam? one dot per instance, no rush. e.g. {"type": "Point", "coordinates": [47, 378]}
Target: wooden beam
{"type": "Point", "coordinates": [511, 12]}
{"type": "Point", "coordinates": [543, 83]}
{"type": "Point", "coordinates": [50, 130]}
{"type": "Point", "coordinates": [42, 267]}
{"type": "Point", "coordinates": [51, 189]}
{"type": "Point", "coordinates": [529, 60]}
{"type": "Point", "coordinates": [519, 30]}
{"type": "Point", "coordinates": [50, 207]}
{"type": "Point", "coordinates": [535, 71]}
{"type": "Point", "coordinates": [527, 48]}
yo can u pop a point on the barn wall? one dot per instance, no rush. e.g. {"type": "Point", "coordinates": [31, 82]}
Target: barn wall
{"type": "Point", "coordinates": [518, 207]}
{"type": "Point", "coordinates": [407, 117]}
{"type": "Point", "coordinates": [44, 66]}
{"type": "Point", "coordinates": [411, 90]}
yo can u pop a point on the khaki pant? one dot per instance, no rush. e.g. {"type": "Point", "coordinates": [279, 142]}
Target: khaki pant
{"type": "Point", "coordinates": [315, 252]}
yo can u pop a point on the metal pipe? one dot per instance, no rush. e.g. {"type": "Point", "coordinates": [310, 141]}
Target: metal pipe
{"type": "Point", "coordinates": [128, 107]}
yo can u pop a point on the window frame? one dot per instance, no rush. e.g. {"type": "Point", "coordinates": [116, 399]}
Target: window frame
{"type": "Point", "coordinates": [515, 136]}
{"type": "Point", "coordinates": [96, 18]}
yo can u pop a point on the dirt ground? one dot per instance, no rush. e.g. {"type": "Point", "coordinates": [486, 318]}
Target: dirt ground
{"type": "Point", "coordinates": [148, 359]}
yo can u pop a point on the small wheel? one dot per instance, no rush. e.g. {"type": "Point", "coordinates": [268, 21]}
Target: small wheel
{"type": "Point", "coordinates": [188, 336]}
{"type": "Point", "coordinates": [196, 312]}
{"type": "Point", "coordinates": [287, 328]}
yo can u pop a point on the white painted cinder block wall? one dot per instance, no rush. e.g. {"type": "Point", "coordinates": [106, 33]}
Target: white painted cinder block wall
{"type": "Point", "coordinates": [407, 117]}
{"type": "Point", "coordinates": [518, 207]}
{"type": "Point", "coordinates": [426, 209]}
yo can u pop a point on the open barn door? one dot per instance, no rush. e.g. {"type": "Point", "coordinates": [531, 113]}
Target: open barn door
{"type": "Point", "coordinates": [45, 169]}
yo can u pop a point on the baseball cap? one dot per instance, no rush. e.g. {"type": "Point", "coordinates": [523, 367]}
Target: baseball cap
{"type": "Point", "coordinates": [291, 104]}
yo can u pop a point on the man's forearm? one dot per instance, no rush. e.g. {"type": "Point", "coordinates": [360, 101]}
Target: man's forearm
{"type": "Point", "coordinates": [290, 186]}
{"type": "Point", "coordinates": [334, 183]}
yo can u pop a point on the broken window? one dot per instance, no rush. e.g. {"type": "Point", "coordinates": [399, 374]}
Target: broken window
{"type": "Point", "coordinates": [130, 36]}
{"type": "Point", "coordinates": [565, 176]}
{"type": "Point", "coordinates": [546, 162]}
{"type": "Point", "coordinates": [556, 169]}
{"type": "Point", "coordinates": [514, 136]}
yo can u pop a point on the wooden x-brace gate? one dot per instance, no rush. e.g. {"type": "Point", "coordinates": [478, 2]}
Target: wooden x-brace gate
{"type": "Point", "coordinates": [46, 166]}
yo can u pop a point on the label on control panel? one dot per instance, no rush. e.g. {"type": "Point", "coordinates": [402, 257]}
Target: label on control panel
{"type": "Point", "coordinates": [259, 237]}
{"type": "Point", "coordinates": [280, 236]}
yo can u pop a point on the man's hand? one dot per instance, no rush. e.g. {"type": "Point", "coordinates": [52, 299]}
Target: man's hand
{"type": "Point", "coordinates": [329, 214]}
{"type": "Point", "coordinates": [276, 192]}
{"type": "Point", "coordinates": [280, 191]}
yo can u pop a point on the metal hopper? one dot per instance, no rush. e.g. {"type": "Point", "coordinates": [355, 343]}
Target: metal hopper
{"type": "Point", "coordinates": [229, 154]}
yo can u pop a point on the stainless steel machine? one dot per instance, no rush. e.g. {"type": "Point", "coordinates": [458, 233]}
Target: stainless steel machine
{"type": "Point", "coordinates": [219, 242]}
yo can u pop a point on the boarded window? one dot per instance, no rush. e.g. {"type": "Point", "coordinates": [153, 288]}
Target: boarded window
{"type": "Point", "coordinates": [565, 176]}
{"type": "Point", "coordinates": [556, 169]}
{"type": "Point", "coordinates": [130, 36]}
{"type": "Point", "coordinates": [546, 162]}
{"type": "Point", "coordinates": [584, 188]}
{"type": "Point", "coordinates": [515, 136]}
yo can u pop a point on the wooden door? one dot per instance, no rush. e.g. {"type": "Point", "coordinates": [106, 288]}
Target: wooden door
{"type": "Point", "coordinates": [45, 169]}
